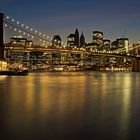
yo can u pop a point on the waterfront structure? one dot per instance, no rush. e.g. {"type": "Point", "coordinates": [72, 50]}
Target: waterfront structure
{"type": "Point", "coordinates": [3, 65]}
{"type": "Point", "coordinates": [56, 41]}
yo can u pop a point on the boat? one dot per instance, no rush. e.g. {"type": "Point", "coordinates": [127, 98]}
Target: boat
{"type": "Point", "coordinates": [15, 72]}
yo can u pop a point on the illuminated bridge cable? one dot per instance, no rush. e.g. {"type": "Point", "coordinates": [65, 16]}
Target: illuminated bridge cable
{"type": "Point", "coordinates": [26, 29]}
{"type": "Point", "coordinates": [25, 26]}
{"type": "Point", "coordinates": [24, 32]}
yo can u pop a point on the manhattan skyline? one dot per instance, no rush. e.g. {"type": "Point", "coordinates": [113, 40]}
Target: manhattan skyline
{"type": "Point", "coordinates": [114, 18]}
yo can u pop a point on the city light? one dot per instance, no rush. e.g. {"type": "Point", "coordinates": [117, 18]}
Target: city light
{"type": "Point", "coordinates": [91, 52]}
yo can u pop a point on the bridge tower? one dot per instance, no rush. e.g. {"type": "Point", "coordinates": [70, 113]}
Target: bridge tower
{"type": "Point", "coordinates": [136, 65]}
{"type": "Point", "coordinates": [1, 36]}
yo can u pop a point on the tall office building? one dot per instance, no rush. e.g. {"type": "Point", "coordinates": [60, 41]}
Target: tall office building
{"type": "Point", "coordinates": [98, 40]}
{"type": "Point", "coordinates": [82, 40]}
{"type": "Point", "coordinates": [121, 43]}
{"type": "Point", "coordinates": [107, 44]}
{"type": "Point", "coordinates": [71, 41]}
{"type": "Point", "coordinates": [76, 38]}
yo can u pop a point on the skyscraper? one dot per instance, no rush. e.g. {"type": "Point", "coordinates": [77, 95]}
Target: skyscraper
{"type": "Point", "coordinates": [76, 38]}
{"type": "Point", "coordinates": [121, 43]}
{"type": "Point", "coordinates": [71, 40]}
{"type": "Point", "coordinates": [107, 44]}
{"type": "Point", "coordinates": [82, 40]}
{"type": "Point", "coordinates": [98, 39]}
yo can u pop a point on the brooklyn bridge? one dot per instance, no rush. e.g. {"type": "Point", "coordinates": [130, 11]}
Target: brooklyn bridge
{"type": "Point", "coordinates": [47, 56]}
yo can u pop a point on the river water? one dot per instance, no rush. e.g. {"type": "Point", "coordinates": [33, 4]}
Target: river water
{"type": "Point", "coordinates": [70, 106]}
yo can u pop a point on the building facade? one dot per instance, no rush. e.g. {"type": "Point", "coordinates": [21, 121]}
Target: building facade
{"type": "Point", "coordinates": [121, 43]}
{"type": "Point", "coordinates": [71, 41]}
{"type": "Point", "coordinates": [20, 41]}
{"type": "Point", "coordinates": [107, 44]}
{"type": "Point", "coordinates": [56, 41]}
{"type": "Point", "coordinates": [98, 40]}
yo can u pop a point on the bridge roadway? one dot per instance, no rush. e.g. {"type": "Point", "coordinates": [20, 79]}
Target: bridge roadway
{"type": "Point", "coordinates": [81, 51]}
{"type": "Point", "coordinates": [68, 50]}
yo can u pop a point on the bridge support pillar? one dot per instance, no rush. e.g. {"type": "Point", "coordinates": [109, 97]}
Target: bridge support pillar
{"type": "Point", "coordinates": [136, 65]}
{"type": "Point", "coordinates": [1, 36]}
{"type": "Point", "coordinates": [102, 62]}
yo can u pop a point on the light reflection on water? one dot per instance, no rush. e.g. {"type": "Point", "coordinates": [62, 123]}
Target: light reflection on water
{"type": "Point", "coordinates": [71, 106]}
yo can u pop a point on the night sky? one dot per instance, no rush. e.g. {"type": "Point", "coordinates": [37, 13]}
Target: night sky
{"type": "Point", "coordinates": [116, 18]}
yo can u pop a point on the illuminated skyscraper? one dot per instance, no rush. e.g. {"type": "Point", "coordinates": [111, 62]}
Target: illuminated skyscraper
{"type": "Point", "coordinates": [98, 40]}
{"type": "Point", "coordinates": [71, 40]}
{"type": "Point", "coordinates": [121, 43]}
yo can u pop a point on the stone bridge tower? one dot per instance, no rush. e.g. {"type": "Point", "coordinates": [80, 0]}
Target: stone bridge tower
{"type": "Point", "coordinates": [1, 37]}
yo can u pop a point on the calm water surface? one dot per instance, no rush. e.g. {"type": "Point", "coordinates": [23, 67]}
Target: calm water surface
{"type": "Point", "coordinates": [70, 106]}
